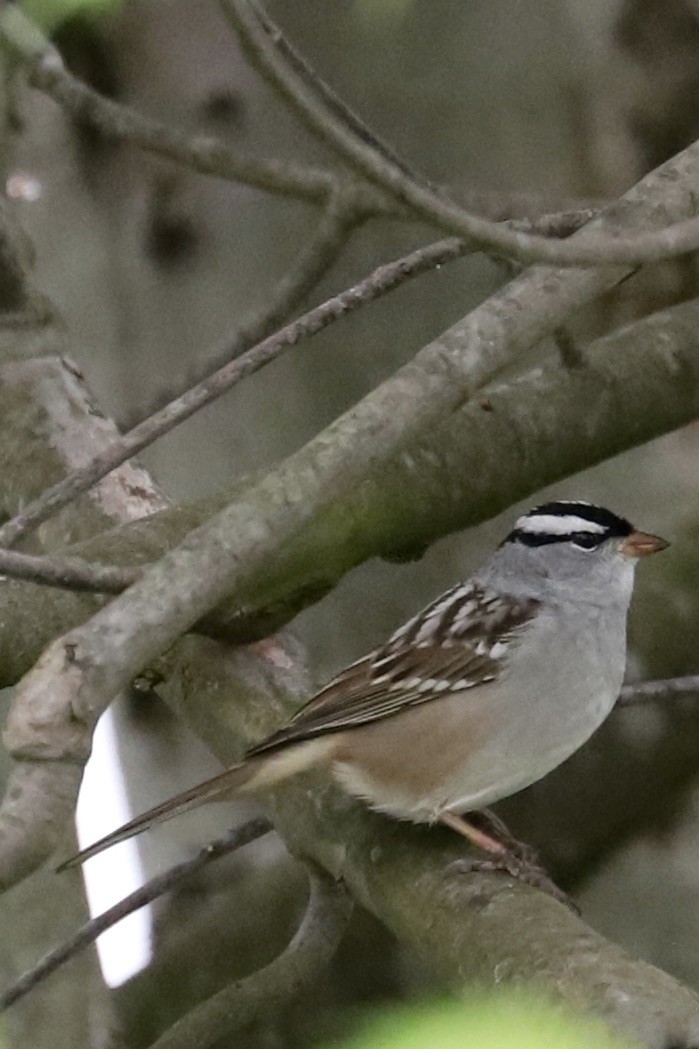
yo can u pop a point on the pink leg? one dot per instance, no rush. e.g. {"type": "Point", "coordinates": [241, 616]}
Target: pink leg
{"type": "Point", "coordinates": [502, 858]}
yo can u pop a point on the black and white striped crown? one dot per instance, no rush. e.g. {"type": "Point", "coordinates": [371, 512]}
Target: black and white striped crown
{"type": "Point", "coordinates": [565, 521]}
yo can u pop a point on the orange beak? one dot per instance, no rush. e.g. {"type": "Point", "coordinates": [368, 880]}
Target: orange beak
{"type": "Point", "coordinates": [640, 544]}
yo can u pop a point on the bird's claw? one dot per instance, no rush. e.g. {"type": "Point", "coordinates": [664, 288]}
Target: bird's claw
{"type": "Point", "coordinates": [520, 865]}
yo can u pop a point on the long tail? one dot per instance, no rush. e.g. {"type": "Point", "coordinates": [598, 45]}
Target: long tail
{"type": "Point", "coordinates": [216, 788]}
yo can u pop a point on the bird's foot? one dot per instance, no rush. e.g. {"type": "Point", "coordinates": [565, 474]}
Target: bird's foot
{"type": "Point", "coordinates": [520, 865]}
{"type": "Point", "coordinates": [496, 829]}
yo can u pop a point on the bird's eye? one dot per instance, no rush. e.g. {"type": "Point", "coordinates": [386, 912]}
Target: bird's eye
{"type": "Point", "coordinates": [586, 540]}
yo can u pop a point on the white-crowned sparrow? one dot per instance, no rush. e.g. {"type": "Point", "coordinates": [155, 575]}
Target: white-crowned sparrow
{"type": "Point", "coordinates": [485, 691]}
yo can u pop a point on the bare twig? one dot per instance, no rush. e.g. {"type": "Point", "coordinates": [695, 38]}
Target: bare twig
{"type": "Point", "coordinates": [652, 691]}
{"type": "Point", "coordinates": [210, 156]}
{"type": "Point", "coordinates": [269, 51]}
{"type": "Point", "coordinates": [67, 573]}
{"type": "Point", "coordinates": [338, 108]}
{"type": "Point", "coordinates": [337, 224]}
{"type": "Point", "coordinates": [157, 886]}
{"type": "Point", "coordinates": [383, 280]}
{"type": "Point", "coordinates": [201, 152]}
{"type": "Point", "coordinates": [296, 968]}
{"type": "Point", "coordinates": [340, 218]}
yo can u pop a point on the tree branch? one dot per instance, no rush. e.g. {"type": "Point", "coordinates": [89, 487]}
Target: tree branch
{"type": "Point", "coordinates": [340, 219]}
{"type": "Point", "coordinates": [637, 383]}
{"type": "Point", "coordinates": [461, 923]}
{"type": "Point", "coordinates": [156, 887]}
{"type": "Point", "coordinates": [269, 52]}
{"type": "Point", "coordinates": [67, 573]}
{"type": "Point", "coordinates": [205, 154]}
{"type": "Point", "coordinates": [659, 691]}
{"type": "Point", "coordinates": [383, 280]}
{"type": "Point", "coordinates": [59, 700]}
{"type": "Point", "coordinates": [297, 967]}
{"type": "Point", "coordinates": [209, 156]}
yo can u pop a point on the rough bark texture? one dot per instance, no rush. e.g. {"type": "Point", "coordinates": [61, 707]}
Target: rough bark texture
{"type": "Point", "coordinates": [50, 425]}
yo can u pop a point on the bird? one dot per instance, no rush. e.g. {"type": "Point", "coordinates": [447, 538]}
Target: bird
{"type": "Point", "coordinates": [485, 691]}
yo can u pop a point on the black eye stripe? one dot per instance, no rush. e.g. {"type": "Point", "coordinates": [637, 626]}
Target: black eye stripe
{"type": "Point", "coordinates": [604, 525]}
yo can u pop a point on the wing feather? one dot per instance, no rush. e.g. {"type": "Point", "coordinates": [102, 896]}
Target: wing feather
{"type": "Point", "coordinates": [459, 641]}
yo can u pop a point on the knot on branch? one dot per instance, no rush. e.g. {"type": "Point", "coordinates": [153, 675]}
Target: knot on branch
{"type": "Point", "coordinates": [46, 721]}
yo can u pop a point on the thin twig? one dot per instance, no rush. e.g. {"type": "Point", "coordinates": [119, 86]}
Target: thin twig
{"type": "Point", "coordinates": [650, 691]}
{"type": "Point", "coordinates": [340, 218]}
{"type": "Point", "coordinates": [335, 105]}
{"type": "Point", "coordinates": [67, 573]}
{"type": "Point", "coordinates": [296, 968]}
{"type": "Point", "coordinates": [158, 886]}
{"type": "Point", "coordinates": [204, 153]}
{"type": "Point", "coordinates": [209, 156]}
{"type": "Point", "coordinates": [383, 280]}
{"type": "Point", "coordinates": [299, 86]}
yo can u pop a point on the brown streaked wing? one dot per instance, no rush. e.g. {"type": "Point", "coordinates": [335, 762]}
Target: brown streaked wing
{"type": "Point", "coordinates": [448, 646]}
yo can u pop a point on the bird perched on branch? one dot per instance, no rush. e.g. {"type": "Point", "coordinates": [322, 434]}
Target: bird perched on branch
{"type": "Point", "coordinates": [486, 690]}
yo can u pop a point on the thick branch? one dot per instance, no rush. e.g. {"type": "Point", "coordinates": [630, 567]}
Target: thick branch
{"type": "Point", "coordinates": [629, 387]}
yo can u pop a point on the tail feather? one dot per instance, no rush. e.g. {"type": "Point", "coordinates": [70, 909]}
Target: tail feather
{"type": "Point", "coordinates": [213, 789]}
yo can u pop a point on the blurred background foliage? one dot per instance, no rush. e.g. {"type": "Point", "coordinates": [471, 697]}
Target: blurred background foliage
{"type": "Point", "coordinates": [50, 14]}
{"type": "Point", "coordinates": [500, 1020]}
{"type": "Point", "coordinates": [151, 265]}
